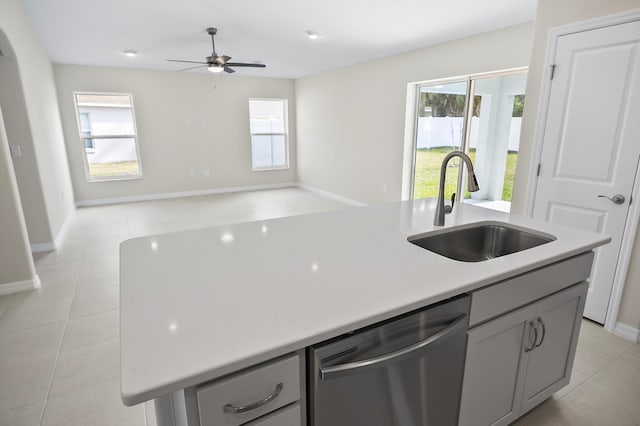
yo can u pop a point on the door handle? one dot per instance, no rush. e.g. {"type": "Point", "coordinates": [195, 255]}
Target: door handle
{"type": "Point", "coordinates": [616, 199]}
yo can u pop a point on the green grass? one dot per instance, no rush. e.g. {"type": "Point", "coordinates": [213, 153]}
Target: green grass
{"type": "Point", "coordinates": [427, 175]}
{"type": "Point", "coordinates": [509, 176]}
{"type": "Point", "coordinates": [122, 168]}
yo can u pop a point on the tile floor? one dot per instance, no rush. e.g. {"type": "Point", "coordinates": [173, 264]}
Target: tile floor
{"type": "Point", "coordinates": [59, 347]}
{"type": "Point", "coordinates": [604, 388]}
{"type": "Point", "coordinates": [59, 350]}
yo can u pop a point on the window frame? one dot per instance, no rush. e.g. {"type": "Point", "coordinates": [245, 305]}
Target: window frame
{"type": "Point", "coordinates": [285, 106]}
{"type": "Point", "coordinates": [82, 135]}
{"type": "Point", "coordinates": [82, 138]}
{"type": "Point", "coordinates": [470, 80]}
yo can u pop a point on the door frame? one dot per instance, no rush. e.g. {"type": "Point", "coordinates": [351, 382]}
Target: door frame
{"type": "Point", "coordinates": [412, 114]}
{"type": "Point", "coordinates": [633, 215]}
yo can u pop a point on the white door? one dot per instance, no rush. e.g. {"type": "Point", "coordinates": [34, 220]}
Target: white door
{"type": "Point", "coordinates": [592, 144]}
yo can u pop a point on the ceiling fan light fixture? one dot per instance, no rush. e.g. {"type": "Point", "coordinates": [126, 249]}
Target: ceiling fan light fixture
{"type": "Point", "coordinates": [216, 68]}
{"type": "Point", "coordinates": [312, 35]}
{"type": "Point", "coordinates": [217, 63]}
{"type": "Point", "coordinates": [130, 53]}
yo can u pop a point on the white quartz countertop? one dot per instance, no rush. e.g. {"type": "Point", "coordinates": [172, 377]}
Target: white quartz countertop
{"type": "Point", "coordinates": [196, 305]}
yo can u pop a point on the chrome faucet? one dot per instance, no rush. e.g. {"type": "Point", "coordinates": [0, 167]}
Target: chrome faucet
{"type": "Point", "coordinates": [472, 184]}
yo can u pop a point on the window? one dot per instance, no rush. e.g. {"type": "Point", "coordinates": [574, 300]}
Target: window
{"type": "Point", "coordinates": [480, 115]}
{"type": "Point", "coordinates": [108, 134]}
{"type": "Point", "coordinates": [85, 130]}
{"type": "Point", "coordinates": [268, 125]}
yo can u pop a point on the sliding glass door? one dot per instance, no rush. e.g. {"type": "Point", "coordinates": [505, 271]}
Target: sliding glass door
{"type": "Point", "coordinates": [480, 116]}
{"type": "Point", "coordinates": [439, 130]}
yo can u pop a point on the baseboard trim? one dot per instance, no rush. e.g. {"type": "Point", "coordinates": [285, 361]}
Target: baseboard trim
{"type": "Point", "coordinates": [62, 233]}
{"type": "Point", "coordinates": [42, 247]}
{"type": "Point", "coordinates": [168, 195]}
{"type": "Point", "coordinates": [19, 286]}
{"type": "Point", "coordinates": [627, 332]}
{"type": "Point", "coordinates": [331, 195]}
{"type": "Point", "coordinates": [53, 245]}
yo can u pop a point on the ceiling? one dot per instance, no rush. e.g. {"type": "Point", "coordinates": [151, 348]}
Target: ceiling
{"type": "Point", "coordinates": [96, 32]}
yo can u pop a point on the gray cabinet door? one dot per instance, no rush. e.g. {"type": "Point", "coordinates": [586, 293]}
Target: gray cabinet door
{"type": "Point", "coordinates": [495, 368]}
{"type": "Point", "coordinates": [549, 369]}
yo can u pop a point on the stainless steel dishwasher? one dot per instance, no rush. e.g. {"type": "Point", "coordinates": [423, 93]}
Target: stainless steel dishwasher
{"type": "Point", "coordinates": [403, 372]}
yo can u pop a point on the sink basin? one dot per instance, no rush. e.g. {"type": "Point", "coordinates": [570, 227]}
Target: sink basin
{"type": "Point", "coordinates": [480, 241]}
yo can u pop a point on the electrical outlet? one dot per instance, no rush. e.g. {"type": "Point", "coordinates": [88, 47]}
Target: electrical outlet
{"type": "Point", "coordinates": [192, 173]}
{"type": "Point", "coordinates": [206, 173]}
{"type": "Point", "coordinates": [16, 151]}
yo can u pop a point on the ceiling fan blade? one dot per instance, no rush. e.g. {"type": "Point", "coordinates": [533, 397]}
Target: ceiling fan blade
{"type": "Point", "coordinates": [226, 58]}
{"type": "Point", "coordinates": [228, 70]}
{"type": "Point", "coordinates": [191, 68]}
{"type": "Point", "coordinates": [186, 62]}
{"type": "Point", "coordinates": [240, 64]}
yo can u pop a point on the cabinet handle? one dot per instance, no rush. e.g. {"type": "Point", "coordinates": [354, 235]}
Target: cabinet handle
{"type": "Point", "coordinates": [535, 338]}
{"type": "Point", "coordinates": [544, 331]}
{"type": "Point", "coordinates": [244, 408]}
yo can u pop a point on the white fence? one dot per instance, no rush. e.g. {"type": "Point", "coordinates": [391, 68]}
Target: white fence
{"type": "Point", "coordinates": [112, 151]}
{"type": "Point", "coordinates": [434, 132]}
{"type": "Point", "coordinates": [110, 121]}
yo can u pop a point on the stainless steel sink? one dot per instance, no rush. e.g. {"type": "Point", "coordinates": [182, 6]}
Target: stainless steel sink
{"type": "Point", "coordinates": [481, 241]}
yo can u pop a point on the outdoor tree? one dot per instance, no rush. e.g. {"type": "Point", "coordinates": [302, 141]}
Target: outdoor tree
{"type": "Point", "coordinates": [446, 105]}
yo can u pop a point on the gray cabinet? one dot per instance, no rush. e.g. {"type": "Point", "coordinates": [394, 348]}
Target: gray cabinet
{"type": "Point", "coordinates": [516, 361]}
{"type": "Point", "coordinates": [254, 393]}
{"type": "Point", "coordinates": [289, 416]}
{"type": "Point", "coordinates": [550, 362]}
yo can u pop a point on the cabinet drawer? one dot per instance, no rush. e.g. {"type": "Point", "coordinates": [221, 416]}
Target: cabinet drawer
{"type": "Point", "coordinates": [519, 291]}
{"type": "Point", "coordinates": [289, 416]}
{"type": "Point", "coordinates": [254, 393]}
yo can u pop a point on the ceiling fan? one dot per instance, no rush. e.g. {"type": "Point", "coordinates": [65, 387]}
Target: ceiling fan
{"type": "Point", "coordinates": [216, 63]}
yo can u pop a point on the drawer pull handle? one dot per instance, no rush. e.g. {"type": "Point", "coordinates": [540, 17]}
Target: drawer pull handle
{"type": "Point", "coordinates": [544, 331]}
{"type": "Point", "coordinates": [244, 408]}
{"type": "Point", "coordinates": [535, 338]}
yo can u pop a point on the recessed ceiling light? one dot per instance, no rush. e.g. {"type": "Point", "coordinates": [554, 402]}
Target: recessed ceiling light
{"type": "Point", "coordinates": [312, 35]}
{"type": "Point", "coordinates": [131, 53]}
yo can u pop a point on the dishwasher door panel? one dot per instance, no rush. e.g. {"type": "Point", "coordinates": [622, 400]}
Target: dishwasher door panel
{"type": "Point", "coordinates": [407, 372]}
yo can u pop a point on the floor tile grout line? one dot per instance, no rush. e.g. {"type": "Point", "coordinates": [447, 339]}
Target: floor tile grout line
{"type": "Point", "coordinates": [55, 364]}
{"type": "Point", "coordinates": [93, 313]}
{"type": "Point", "coordinates": [545, 408]}
{"type": "Point", "coordinates": [20, 330]}
{"type": "Point", "coordinates": [597, 372]}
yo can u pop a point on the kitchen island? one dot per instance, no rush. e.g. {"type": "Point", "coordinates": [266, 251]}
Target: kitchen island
{"type": "Point", "coordinates": [199, 305]}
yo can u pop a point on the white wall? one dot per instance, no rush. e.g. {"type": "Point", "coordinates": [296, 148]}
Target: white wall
{"type": "Point", "coordinates": [51, 181]}
{"type": "Point", "coordinates": [552, 13]}
{"type": "Point", "coordinates": [16, 264]}
{"type": "Point", "coordinates": [18, 131]}
{"type": "Point", "coordinates": [187, 122]}
{"type": "Point", "coordinates": [351, 121]}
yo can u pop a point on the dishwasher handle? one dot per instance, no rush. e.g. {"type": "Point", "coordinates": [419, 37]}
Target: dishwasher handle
{"type": "Point", "coordinates": [347, 369]}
